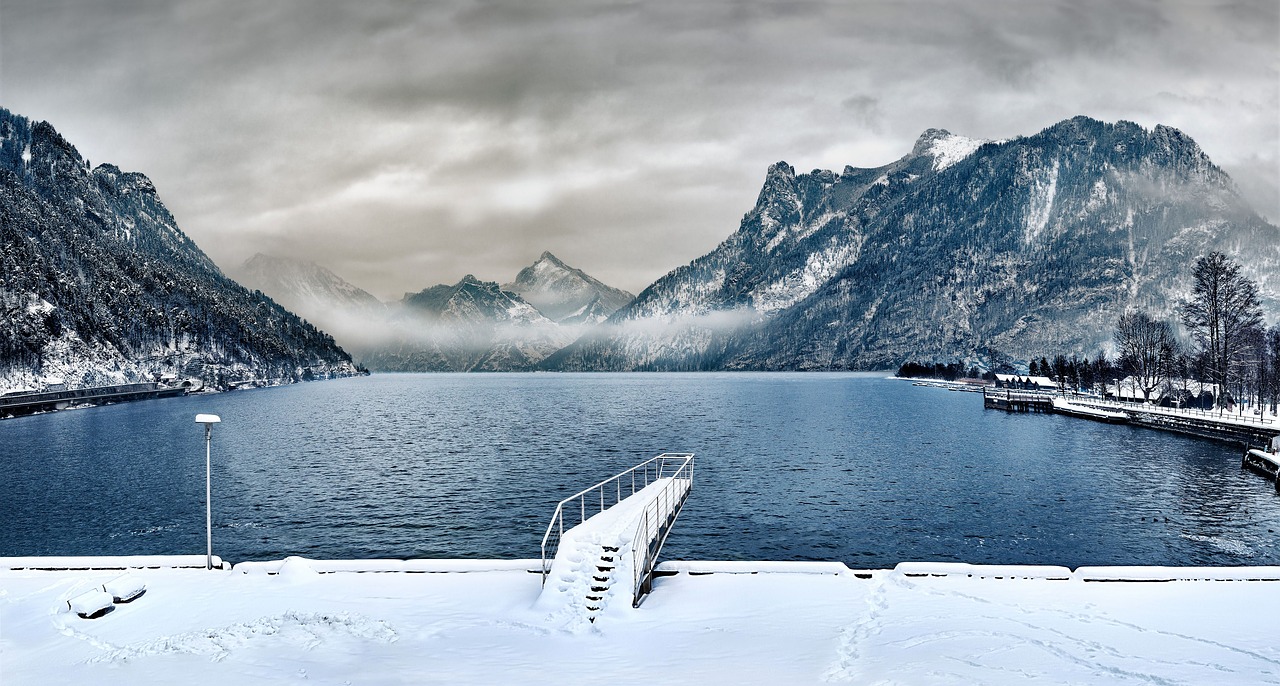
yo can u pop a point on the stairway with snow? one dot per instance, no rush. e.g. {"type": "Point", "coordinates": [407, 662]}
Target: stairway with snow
{"type": "Point", "coordinates": [608, 557]}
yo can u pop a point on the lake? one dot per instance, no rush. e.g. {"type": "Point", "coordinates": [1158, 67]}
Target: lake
{"type": "Point", "coordinates": [850, 467]}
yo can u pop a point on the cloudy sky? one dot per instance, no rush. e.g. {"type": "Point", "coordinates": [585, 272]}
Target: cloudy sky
{"type": "Point", "coordinates": [404, 144]}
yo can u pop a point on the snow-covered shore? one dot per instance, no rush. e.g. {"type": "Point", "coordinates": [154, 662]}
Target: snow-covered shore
{"type": "Point", "coordinates": [479, 621]}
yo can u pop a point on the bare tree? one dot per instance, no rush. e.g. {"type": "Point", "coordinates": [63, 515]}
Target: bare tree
{"type": "Point", "coordinates": [1222, 310]}
{"type": "Point", "coordinates": [1146, 348]}
{"type": "Point", "coordinates": [1273, 360]}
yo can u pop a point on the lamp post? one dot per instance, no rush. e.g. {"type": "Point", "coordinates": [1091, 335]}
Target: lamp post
{"type": "Point", "coordinates": [208, 420]}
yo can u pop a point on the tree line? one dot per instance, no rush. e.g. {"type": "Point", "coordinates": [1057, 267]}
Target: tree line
{"type": "Point", "coordinates": [1227, 356]}
{"type": "Point", "coordinates": [1229, 353]}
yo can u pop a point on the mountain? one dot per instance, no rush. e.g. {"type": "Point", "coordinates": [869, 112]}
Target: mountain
{"type": "Point", "coordinates": [565, 294]}
{"type": "Point", "coordinates": [357, 320]}
{"type": "Point", "coordinates": [303, 287]}
{"type": "Point", "coordinates": [472, 325]}
{"type": "Point", "coordinates": [961, 250]}
{"type": "Point", "coordinates": [99, 285]}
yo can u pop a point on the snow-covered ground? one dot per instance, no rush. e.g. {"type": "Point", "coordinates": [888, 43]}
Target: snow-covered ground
{"type": "Point", "coordinates": [789, 623]}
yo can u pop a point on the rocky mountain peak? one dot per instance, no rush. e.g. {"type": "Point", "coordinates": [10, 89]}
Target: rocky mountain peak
{"type": "Point", "coordinates": [559, 290]}
{"type": "Point", "coordinates": [944, 147]}
{"type": "Point", "coordinates": [927, 140]}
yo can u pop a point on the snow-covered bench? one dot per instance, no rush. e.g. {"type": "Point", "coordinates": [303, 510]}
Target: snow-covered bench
{"type": "Point", "coordinates": [91, 604]}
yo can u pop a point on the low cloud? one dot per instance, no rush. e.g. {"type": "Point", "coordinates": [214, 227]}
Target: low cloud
{"type": "Point", "coordinates": [406, 144]}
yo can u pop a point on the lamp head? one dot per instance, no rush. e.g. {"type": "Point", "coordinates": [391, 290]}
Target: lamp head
{"type": "Point", "coordinates": [208, 419]}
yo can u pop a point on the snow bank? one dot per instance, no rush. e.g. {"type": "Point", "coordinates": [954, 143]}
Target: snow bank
{"type": "Point", "coordinates": [803, 623]}
{"type": "Point", "coordinates": [387, 566]}
{"type": "Point", "coordinates": [109, 562]}
{"type": "Point", "coordinates": [982, 571]}
{"type": "Point", "coordinates": [1178, 574]}
{"type": "Point", "coordinates": [711, 567]}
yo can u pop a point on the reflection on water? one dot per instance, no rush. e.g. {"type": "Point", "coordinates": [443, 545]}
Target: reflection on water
{"type": "Point", "coordinates": [862, 469]}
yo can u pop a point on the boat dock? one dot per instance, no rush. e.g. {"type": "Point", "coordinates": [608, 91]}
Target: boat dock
{"type": "Point", "coordinates": [19, 404]}
{"type": "Point", "coordinates": [1246, 430]}
{"type": "Point", "coordinates": [1265, 461]}
{"type": "Point", "coordinates": [1017, 400]}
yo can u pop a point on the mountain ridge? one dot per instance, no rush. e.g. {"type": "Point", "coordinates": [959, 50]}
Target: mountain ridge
{"type": "Point", "coordinates": [100, 286]}
{"type": "Point", "coordinates": [1013, 247]}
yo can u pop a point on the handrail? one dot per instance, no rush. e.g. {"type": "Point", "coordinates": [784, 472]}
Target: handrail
{"type": "Point", "coordinates": [1222, 417]}
{"type": "Point", "coordinates": [650, 470]}
{"type": "Point", "coordinates": [655, 525]}
{"type": "Point", "coordinates": [78, 393]}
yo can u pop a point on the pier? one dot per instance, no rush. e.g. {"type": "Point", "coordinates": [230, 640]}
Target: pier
{"type": "Point", "coordinates": [1265, 461]}
{"type": "Point", "coordinates": [1245, 430]}
{"type": "Point", "coordinates": [613, 548]}
{"type": "Point", "coordinates": [18, 404]}
{"type": "Point", "coordinates": [1224, 426]}
{"type": "Point", "coordinates": [1017, 400]}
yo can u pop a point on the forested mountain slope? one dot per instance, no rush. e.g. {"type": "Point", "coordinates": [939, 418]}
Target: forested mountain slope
{"type": "Point", "coordinates": [98, 284]}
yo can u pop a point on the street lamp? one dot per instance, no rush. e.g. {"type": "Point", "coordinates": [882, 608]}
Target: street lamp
{"type": "Point", "coordinates": [208, 420]}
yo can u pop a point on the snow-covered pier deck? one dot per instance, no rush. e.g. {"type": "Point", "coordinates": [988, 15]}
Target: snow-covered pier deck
{"type": "Point", "coordinates": [1246, 430]}
{"type": "Point", "coordinates": [1017, 400]}
{"type": "Point", "coordinates": [1266, 461]}
{"type": "Point", "coordinates": [611, 554]}
{"type": "Point", "coordinates": [480, 622]}
{"type": "Point", "coordinates": [18, 404]}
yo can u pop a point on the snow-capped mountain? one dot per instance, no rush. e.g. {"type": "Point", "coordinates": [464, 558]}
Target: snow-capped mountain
{"type": "Point", "coordinates": [565, 294]}
{"type": "Point", "coordinates": [472, 325]}
{"type": "Point", "coordinates": [99, 285]}
{"type": "Point", "coordinates": [356, 319]}
{"type": "Point", "coordinates": [304, 287]}
{"type": "Point", "coordinates": [960, 250]}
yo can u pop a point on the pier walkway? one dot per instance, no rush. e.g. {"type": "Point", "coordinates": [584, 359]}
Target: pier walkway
{"type": "Point", "coordinates": [611, 552]}
{"type": "Point", "coordinates": [1248, 430]}
{"type": "Point", "coordinates": [18, 404]}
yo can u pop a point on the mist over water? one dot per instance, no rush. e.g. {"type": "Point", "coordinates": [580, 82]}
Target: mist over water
{"type": "Point", "coordinates": [856, 468]}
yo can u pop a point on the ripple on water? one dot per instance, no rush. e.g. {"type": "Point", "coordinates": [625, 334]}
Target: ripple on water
{"type": "Point", "coordinates": [790, 466]}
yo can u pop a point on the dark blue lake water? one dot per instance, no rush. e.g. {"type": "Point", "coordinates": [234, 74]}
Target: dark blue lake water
{"type": "Point", "coordinates": [857, 468]}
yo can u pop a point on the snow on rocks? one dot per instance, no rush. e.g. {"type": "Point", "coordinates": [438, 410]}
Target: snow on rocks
{"type": "Point", "coordinates": [947, 148]}
{"type": "Point", "coordinates": [297, 570]}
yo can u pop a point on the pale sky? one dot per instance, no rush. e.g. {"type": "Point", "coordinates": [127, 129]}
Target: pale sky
{"type": "Point", "coordinates": [404, 144]}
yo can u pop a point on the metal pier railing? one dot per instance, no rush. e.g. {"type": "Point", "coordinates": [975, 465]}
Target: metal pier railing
{"type": "Point", "coordinates": [655, 523]}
